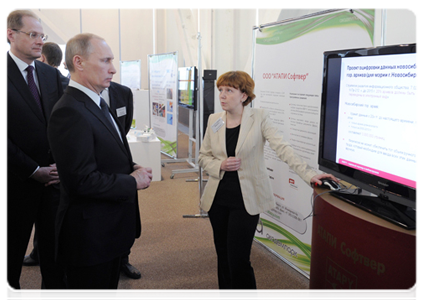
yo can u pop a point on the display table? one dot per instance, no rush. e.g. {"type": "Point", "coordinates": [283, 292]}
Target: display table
{"type": "Point", "coordinates": [146, 154]}
{"type": "Point", "coordinates": [353, 249]}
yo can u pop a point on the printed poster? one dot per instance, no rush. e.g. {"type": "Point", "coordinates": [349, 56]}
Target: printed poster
{"type": "Point", "coordinates": [163, 84]}
{"type": "Point", "coordinates": [288, 65]}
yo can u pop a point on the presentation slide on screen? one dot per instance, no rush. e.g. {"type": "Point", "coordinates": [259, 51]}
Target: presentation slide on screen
{"type": "Point", "coordinates": [378, 116]}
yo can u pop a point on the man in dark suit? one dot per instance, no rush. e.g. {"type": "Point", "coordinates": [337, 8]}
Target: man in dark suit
{"type": "Point", "coordinates": [120, 100]}
{"type": "Point", "coordinates": [98, 217]}
{"type": "Point", "coordinates": [51, 54]}
{"type": "Point", "coordinates": [33, 195]}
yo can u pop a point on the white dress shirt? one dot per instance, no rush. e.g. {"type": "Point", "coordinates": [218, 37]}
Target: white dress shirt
{"type": "Point", "coordinates": [22, 67]}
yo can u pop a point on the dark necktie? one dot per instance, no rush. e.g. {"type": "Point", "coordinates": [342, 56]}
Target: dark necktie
{"type": "Point", "coordinates": [105, 110]}
{"type": "Point", "coordinates": [32, 86]}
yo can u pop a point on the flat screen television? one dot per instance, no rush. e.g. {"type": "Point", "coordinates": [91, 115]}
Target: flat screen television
{"type": "Point", "coordinates": [187, 87]}
{"type": "Point", "coordinates": [368, 130]}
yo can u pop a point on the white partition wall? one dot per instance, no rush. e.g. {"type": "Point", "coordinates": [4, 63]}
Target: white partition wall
{"type": "Point", "coordinates": [141, 109]}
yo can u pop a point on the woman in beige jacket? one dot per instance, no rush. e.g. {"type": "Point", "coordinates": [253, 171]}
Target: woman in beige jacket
{"type": "Point", "coordinates": [238, 188]}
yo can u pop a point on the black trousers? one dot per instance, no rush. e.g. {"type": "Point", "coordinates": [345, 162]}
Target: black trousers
{"type": "Point", "coordinates": [233, 232]}
{"type": "Point", "coordinates": [34, 252]}
{"type": "Point", "coordinates": [29, 204]}
{"type": "Point", "coordinates": [101, 276]}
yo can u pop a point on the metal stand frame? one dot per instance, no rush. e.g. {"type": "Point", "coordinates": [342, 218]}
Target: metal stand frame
{"type": "Point", "coordinates": [192, 161]}
{"type": "Point", "coordinates": [199, 132]}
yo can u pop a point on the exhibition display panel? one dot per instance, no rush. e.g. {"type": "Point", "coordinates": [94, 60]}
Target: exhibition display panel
{"type": "Point", "coordinates": [287, 70]}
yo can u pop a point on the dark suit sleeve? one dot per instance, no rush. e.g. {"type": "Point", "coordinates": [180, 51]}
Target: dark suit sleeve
{"type": "Point", "coordinates": [121, 96]}
{"type": "Point", "coordinates": [75, 149]}
{"type": "Point", "coordinates": [64, 80]}
{"type": "Point", "coordinates": [130, 111]}
{"type": "Point", "coordinates": [18, 162]}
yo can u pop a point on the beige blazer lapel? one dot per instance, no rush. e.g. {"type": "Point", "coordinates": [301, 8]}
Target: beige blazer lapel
{"type": "Point", "coordinates": [247, 121]}
{"type": "Point", "coordinates": [222, 135]}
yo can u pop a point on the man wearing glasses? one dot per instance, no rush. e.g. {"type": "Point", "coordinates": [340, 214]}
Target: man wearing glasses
{"type": "Point", "coordinates": [32, 179]}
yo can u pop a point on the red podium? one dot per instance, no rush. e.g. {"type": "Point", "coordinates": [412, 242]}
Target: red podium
{"type": "Point", "coordinates": [353, 249]}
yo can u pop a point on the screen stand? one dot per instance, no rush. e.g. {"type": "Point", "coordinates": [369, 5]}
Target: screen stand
{"type": "Point", "coordinates": [380, 206]}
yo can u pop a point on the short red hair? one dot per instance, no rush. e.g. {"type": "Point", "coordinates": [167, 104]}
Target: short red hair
{"type": "Point", "coordinates": [239, 80]}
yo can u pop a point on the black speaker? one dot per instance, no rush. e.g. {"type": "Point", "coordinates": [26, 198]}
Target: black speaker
{"type": "Point", "coordinates": [210, 74]}
{"type": "Point", "coordinates": [208, 96]}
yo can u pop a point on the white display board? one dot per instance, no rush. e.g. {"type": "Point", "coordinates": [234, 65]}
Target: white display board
{"type": "Point", "coordinates": [288, 68]}
{"type": "Point", "coordinates": [141, 109]}
{"type": "Point", "coordinates": [163, 86]}
{"type": "Point", "coordinates": [130, 74]}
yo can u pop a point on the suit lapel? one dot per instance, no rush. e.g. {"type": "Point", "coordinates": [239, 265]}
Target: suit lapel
{"type": "Point", "coordinates": [113, 100]}
{"type": "Point", "coordinates": [96, 111]}
{"type": "Point", "coordinates": [16, 78]}
{"type": "Point", "coordinates": [246, 123]}
{"type": "Point", "coordinates": [122, 134]}
{"type": "Point", "coordinates": [44, 82]}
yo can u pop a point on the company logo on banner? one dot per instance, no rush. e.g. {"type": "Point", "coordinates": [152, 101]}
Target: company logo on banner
{"type": "Point", "coordinates": [292, 183]}
{"type": "Point", "coordinates": [288, 76]}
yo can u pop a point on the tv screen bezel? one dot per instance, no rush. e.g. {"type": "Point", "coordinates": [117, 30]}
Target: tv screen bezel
{"type": "Point", "coordinates": [384, 188]}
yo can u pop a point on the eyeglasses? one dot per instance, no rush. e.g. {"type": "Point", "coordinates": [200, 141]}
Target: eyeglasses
{"type": "Point", "coordinates": [34, 35]}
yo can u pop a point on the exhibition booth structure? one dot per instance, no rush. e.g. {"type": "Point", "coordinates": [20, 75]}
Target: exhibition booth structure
{"type": "Point", "coordinates": [351, 112]}
{"type": "Point", "coordinates": [158, 109]}
{"type": "Point", "coordinates": [172, 87]}
{"type": "Point", "coordinates": [287, 70]}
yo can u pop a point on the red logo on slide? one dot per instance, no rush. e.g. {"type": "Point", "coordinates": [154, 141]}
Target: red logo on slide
{"type": "Point", "coordinates": [291, 181]}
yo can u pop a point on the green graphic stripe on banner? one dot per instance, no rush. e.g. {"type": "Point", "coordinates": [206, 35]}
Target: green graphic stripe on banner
{"type": "Point", "coordinates": [301, 261]}
{"type": "Point", "coordinates": [283, 33]}
{"type": "Point", "coordinates": [291, 238]}
{"type": "Point", "coordinates": [168, 147]}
